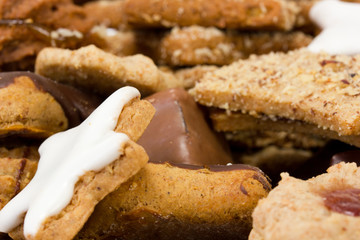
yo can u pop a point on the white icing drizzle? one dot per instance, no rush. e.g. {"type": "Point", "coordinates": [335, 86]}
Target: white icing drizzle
{"type": "Point", "coordinates": [340, 24]}
{"type": "Point", "coordinates": [64, 157]}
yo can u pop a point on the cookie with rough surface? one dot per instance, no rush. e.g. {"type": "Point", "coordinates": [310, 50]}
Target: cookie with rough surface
{"type": "Point", "coordinates": [196, 45]}
{"type": "Point", "coordinates": [259, 14]}
{"type": "Point", "coordinates": [323, 207]}
{"type": "Point", "coordinates": [316, 88]}
{"type": "Point", "coordinates": [91, 68]}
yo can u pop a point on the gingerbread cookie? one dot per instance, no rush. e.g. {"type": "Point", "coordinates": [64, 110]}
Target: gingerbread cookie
{"type": "Point", "coordinates": [324, 207]}
{"type": "Point", "coordinates": [166, 201]}
{"type": "Point", "coordinates": [98, 156]}
{"type": "Point", "coordinates": [91, 68]}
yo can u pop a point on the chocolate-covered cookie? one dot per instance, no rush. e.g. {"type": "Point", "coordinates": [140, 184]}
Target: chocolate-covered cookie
{"type": "Point", "coordinates": [34, 106]}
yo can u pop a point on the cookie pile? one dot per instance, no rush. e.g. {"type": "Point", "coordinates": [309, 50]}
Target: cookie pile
{"type": "Point", "coordinates": [159, 119]}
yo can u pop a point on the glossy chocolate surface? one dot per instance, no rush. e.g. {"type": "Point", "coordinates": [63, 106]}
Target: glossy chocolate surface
{"type": "Point", "coordinates": [77, 105]}
{"type": "Point", "coordinates": [179, 132]}
{"type": "Point", "coordinates": [348, 156]}
{"type": "Point", "coordinates": [344, 201]}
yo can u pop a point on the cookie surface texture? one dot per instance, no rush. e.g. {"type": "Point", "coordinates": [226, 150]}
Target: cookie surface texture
{"type": "Point", "coordinates": [324, 207]}
{"type": "Point", "coordinates": [163, 198]}
{"type": "Point", "coordinates": [93, 69]}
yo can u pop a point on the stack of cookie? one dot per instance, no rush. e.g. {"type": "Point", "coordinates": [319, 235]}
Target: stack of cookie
{"type": "Point", "coordinates": [222, 82]}
{"type": "Point", "coordinates": [198, 37]}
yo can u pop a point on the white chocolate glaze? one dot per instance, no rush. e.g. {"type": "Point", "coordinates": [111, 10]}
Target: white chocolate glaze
{"type": "Point", "coordinates": [340, 24]}
{"type": "Point", "coordinates": [64, 157]}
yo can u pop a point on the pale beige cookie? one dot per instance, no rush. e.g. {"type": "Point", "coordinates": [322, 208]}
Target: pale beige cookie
{"type": "Point", "coordinates": [166, 201]}
{"type": "Point", "coordinates": [91, 68]}
{"type": "Point", "coordinates": [93, 186]}
{"type": "Point", "coordinates": [323, 207]}
{"type": "Point", "coordinates": [259, 14]}
{"type": "Point", "coordinates": [316, 88]}
{"type": "Point", "coordinates": [196, 45]}
{"type": "Point", "coordinates": [189, 76]}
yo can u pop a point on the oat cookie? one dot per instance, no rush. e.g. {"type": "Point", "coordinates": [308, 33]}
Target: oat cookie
{"type": "Point", "coordinates": [323, 207]}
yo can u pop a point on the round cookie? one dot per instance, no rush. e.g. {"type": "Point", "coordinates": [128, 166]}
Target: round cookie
{"type": "Point", "coordinates": [324, 207]}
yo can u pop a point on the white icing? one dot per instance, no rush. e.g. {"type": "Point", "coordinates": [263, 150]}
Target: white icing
{"type": "Point", "coordinates": [340, 24]}
{"type": "Point", "coordinates": [64, 157]}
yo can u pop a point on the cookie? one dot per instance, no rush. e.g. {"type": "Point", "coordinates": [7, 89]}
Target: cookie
{"type": "Point", "coordinates": [238, 122]}
{"type": "Point", "coordinates": [316, 88]}
{"type": "Point", "coordinates": [195, 45]}
{"type": "Point", "coordinates": [103, 166]}
{"type": "Point", "coordinates": [274, 14]}
{"type": "Point", "coordinates": [28, 26]}
{"type": "Point", "coordinates": [15, 174]}
{"type": "Point", "coordinates": [166, 201]}
{"type": "Point", "coordinates": [91, 68]}
{"type": "Point", "coordinates": [189, 76]}
{"type": "Point", "coordinates": [34, 106]}
{"type": "Point", "coordinates": [323, 207]}
{"type": "Point", "coordinates": [180, 133]}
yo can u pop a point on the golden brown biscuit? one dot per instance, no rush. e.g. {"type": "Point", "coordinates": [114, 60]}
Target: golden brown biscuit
{"type": "Point", "coordinates": [15, 174]}
{"type": "Point", "coordinates": [95, 185]}
{"type": "Point", "coordinates": [197, 45]}
{"type": "Point", "coordinates": [91, 68]}
{"type": "Point", "coordinates": [162, 199]}
{"type": "Point", "coordinates": [315, 88]}
{"type": "Point", "coordinates": [259, 14]}
{"type": "Point", "coordinates": [34, 106]}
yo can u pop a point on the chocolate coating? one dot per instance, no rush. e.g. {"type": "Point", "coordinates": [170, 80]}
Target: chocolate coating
{"type": "Point", "coordinates": [77, 105]}
{"type": "Point", "coordinates": [345, 201]}
{"type": "Point", "coordinates": [179, 132]}
{"type": "Point", "coordinates": [348, 156]}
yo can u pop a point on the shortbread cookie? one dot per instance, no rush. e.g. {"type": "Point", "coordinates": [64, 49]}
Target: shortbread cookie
{"type": "Point", "coordinates": [91, 68]}
{"type": "Point", "coordinates": [34, 106]}
{"type": "Point", "coordinates": [259, 14]}
{"type": "Point", "coordinates": [316, 88]}
{"type": "Point", "coordinates": [324, 207]}
{"type": "Point", "coordinates": [120, 159]}
{"type": "Point", "coordinates": [238, 122]}
{"type": "Point", "coordinates": [197, 45]}
{"type": "Point", "coordinates": [167, 201]}
{"type": "Point", "coordinates": [180, 133]}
